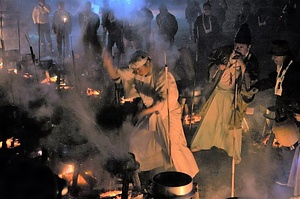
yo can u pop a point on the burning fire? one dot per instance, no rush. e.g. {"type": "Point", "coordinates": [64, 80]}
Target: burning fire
{"type": "Point", "coordinates": [67, 174]}
{"type": "Point", "coordinates": [91, 92]}
{"type": "Point", "coordinates": [11, 143]}
{"type": "Point", "coordinates": [27, 75]}
{"type": "Point", "coordinates": [13, 70]}
{"type": "Point", "coordinates": [48, 79]}
{"type": "Point", "coordinates": [115, 194]}
{"type": "Point", "coordinates": [64, 86]}
{"type": "Point", "coordinates": [9, 70]}
{"type": "Point", "coordinates": [195, 118]}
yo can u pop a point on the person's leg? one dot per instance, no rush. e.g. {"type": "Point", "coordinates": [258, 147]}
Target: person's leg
{"type": "Point", "coordinates": [285, 167]}
{"type": "Point", "coordinates": [59, 41]}
{"type": "Point", "coordinates": [41, 32]}
{"type": "Point", "coordinates": [66, 46]}
{"type": "Point", "coordinates": [96, 45]}
{"type": "Point", "coordinates": [110, 44]}
{"type": "Point", "coordinates": [85, 43]}
{"type": "Point", "coordinates": [47, 31]}
{"type": "Point", "coordinates": [191, 29]}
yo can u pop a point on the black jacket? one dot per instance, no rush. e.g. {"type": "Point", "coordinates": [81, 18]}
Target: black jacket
{"type": "Point", "coordinates": [289, 100]}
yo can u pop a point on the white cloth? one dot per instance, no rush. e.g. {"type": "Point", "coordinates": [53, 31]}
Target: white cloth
{"type": "Point", "coordinates": [40, 15]}
{"type": "Point", "coordinates": [217, 114]}
{"type": "Point", "coordinates": [280, 78]}
{"type": "Point", "coordinates": [294, 178]}
{"type": "Point", "coordinates": [153, 143]}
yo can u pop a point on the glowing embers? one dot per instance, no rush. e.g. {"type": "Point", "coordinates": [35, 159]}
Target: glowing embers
{"type": "Point", "coordinates": [48, 79]}
{"type": "Point", "coordinates": [27, 75]}
{"type": "Point", "coordinates": [111, 194]}
{"type": "Point", "coordinates": [52, 78]}
{"type": "Point", "coordinates": [11, 67]}
{"type": "Point", "coordinates": [13, 70]}
{"type": "Point", "coordinates": [91, 92]}
{"type": "Point", "coordinates": [188, 119]}
{"type": "Point", "coordinates": [69, 174]}
{"type": "Point", "coordinates": [11, 143]}
{"type": "Point", "coordinates": [117, 194]}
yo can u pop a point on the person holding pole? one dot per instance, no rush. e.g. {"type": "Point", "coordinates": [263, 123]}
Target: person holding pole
{"type": "Point", "coordinates": [157, 141]}
{"type": "Point", "coordinates": [62, 27]}
{"type": "Point", "coordinates": [233, 70]}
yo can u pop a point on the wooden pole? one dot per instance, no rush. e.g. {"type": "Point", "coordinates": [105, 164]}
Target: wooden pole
{"type": "Point", "coordinates": [168, 108]}
{"type": "Point", "coordinates": [234, 131]}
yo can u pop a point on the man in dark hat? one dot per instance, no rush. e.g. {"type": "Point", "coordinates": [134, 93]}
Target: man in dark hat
{"type": "Point", "coordinates": [242, 48]}
{"type": "Point", "coordinates": [233, 69]}
{"type": "Point", "coordinates": [285, 80]}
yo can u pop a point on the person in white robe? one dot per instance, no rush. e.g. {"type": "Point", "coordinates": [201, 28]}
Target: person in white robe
{"type": "Point", "coordinates": [157, 140]}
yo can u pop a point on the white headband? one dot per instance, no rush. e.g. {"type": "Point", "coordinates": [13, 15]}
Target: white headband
{"type": "Point", "coordinates": [138, 64]}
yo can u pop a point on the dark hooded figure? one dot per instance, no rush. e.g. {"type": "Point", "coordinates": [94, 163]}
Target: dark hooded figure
{"type": "Point", "coordinates": [192, 11]}
{"type": "Point", "coordinates": [245, 16]}
{"type": "Point", "coordinates": [206, 32]}
{"type": "Point", "coordinates": [167, 24]}
{"type": "Point", "coordinates": [89, 22]}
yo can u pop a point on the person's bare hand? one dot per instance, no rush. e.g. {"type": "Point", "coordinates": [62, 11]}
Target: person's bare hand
{"type": "Point", "coordinates": [222, 66]}
{"type": "Point", "coordinates": [297, 116]}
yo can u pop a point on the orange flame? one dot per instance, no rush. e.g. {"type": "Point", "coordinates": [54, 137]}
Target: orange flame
{"type": "Point", "coordinates": [91, 92]}
{"type": "Point", "coordinates": [191, 120]}
{"type": "Point", "coordinates": [27, 75]}
{"type": "Point", "coordinates": [11, 143]}
{"type": "Point", "coordinates": [68, 172]}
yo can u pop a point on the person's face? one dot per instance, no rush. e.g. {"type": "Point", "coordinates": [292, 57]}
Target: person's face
{"type": "Point", "coordinates": [60, 6]}
{"type": "Point", "coordinates": [163, 11]}
{"type": "Point", "coordinates": [143, 70]}
{"type": "Point", "coordinates": [278, 60]}
{"type": "Point", "coordinates": [206, 10]}
{"type": "Point", "coordinates": [242, 48]}
{"type": "Point", "coordinates": [246, 9]}
{"type": "Point", "coordinates": [88, 6]}
{"type": "Point", "coordinates": [42, 2]}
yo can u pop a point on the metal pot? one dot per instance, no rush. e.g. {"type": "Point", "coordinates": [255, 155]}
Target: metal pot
{"type": "Point", "coordinates": [172, 185]}
{"type": "Point", "coordinates": [46, 63]}
{"type": "Point", "coordinates": [192, 95]}
{"type": "Point", "coordinates": [286, 132]}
